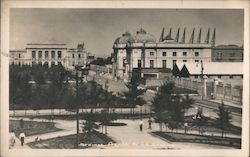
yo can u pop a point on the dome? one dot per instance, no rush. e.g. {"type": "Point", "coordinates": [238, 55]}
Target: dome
{"type": "Point", "coordinates": [143, 37]}
{"type": "Point", "coordinates": [124, 39]}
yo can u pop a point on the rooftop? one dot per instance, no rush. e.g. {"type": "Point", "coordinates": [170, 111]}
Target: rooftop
{"type": "Point", "coordinates": [213, 68]}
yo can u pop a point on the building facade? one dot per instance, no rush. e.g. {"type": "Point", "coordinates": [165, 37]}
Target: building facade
{"type": "Point", "coordinates": [227, 53]}
{"type": "Point", "coordinates": [141, 50]}
{"type": "Point", "coordinates": [50, 54]}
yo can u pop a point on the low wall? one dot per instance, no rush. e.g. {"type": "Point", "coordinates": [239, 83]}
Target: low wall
{"type": "Point", "coordinates": [222, 90]}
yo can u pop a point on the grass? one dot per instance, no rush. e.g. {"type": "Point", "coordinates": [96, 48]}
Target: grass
{"type": "Point", "coordinates": [31, 127]}
{"type": "Point", "coordinates": [193, 138]}
{"type": "Point", "coordinates": [69, 141]}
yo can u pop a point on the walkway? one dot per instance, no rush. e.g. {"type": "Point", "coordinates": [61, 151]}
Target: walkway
{"type": "Point", "coordinates": [128, 136]}
{"type": "Point", "coordinates": [131, 137]}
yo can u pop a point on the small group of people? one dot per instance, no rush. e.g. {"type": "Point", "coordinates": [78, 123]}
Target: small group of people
{"type": "Point", "coordinates": [149, 124]}
{"type": "Point", "coordinates": [12, 139]}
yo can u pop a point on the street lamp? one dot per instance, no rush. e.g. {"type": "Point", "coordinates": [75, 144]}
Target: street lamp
{"type": "Point", "coordinates": [79, 72]}
{"type": "Point", "coordinates": [202, 81]}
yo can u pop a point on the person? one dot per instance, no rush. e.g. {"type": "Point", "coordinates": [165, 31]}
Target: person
{"type": "Point", "coordinates": [149, 123]}
{"type": "Point", "coordinates": [22, 136]}
{"type": "Point", "coordinates": [140, 124]}
{"type": "Point", "coordinates": [12, 138]}
{"type": "Point", "coordinates": [186, 127]}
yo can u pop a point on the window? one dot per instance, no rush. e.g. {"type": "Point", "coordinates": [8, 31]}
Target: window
{"type": "Point", "coordinates": [59, 63]}
{"type": "Point", "coordinates": [19, 55]}
{"type": "Point", "coordinates": [151, 53]}
{"type": "Point", "coordinates": [139, 63]}
{"type": "Point", "coordinates": [219, 76]}
{"type": "Point", "coordinates": [59, 54]}
{"type": "Point", "coordinates": [231, 76]}
{"type": "Point", "coordinates": [196, 61]}
{"type": "Point", "coordinates": [174, 62]}
{"type": "Point", "coordinates": [151, 63]}
{"type": "Point", "coordinates": [184, 53]}
{"type": "Point", "coordinates": [33, 63]}
{"type": "Point", "coordinates": [79, 55]}
{"type": "Point", "coordinates": [184, 60]}
{"type": "Point", "coordinates": [52, 55]}
{"type": "Point", "coordinates": [232, 54]}
{"type": "Point", "coordinates": [164, 64]}
{"type": "Point", "coordinates": [52, 63]}
{"type": "Point", "coordinates": [196, 54]}
{"type": "Point", "coordinates": [40, 54]}
{"type": "Point", "coordinates": [46, 63]}
{"type": "Point", "coordinates": [164, 53]}
{"type": "Point", "coordinates": [174, 54]}
{"type": "Point", "coordinates": [46, 54]}
{"type": "Point", "coordinates": [73, 63]}
{"type": "Point", "coordinates": [40, 63]}
{"type": "Point", "coordinates": [196, 76]}
{"type": "Point", "coordinates": [73, 55]}
{"type": "Point", "coordinates": [219, 54]}
{"type": "Point", "coordinates": [33, 54]}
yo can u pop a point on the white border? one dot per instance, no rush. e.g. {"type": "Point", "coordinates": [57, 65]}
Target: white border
{"type": "Point", "coordinates": [5, 7]}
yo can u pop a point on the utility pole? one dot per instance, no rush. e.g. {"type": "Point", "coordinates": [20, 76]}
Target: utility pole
{"type": "Point", "coordinates": [77, 110]}
{"type": "Point", "coordinates": [202, 81]}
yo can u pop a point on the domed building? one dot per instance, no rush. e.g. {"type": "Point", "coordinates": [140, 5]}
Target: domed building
{"type": "Point", "coordinates": [142, 36]}
{"type": "Point", "coordinates": [142, 52]}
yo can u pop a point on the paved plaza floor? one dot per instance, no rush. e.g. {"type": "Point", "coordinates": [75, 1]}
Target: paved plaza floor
{"type": "Point", "coordinates": [128, 137]}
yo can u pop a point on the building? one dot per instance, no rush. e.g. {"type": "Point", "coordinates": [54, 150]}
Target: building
{"type": "Point", "coordinates": [142, 50]}
{"type": "Point", "coordinates": [227, 53]}
{"type": "Point", "coordinates": [50, 54]}
{"type": "Point", "coordinates": [213, 70]}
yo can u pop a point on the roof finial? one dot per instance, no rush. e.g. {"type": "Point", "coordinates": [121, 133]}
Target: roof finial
{"type": "Point", "coordinates": [183, 36]}
{"type": "Point", "coordinates": [162, 35]}
{"type": "Point", "coordinates": [207, 37]}
{"type": "Point", "coordinates": [191, 41]}
{"type": "Point", "coordinates": [213, 38]}
{"type": "Point", "coordinates": [199, 37]}
{"type": "Point", "coordinates": [177, 36]}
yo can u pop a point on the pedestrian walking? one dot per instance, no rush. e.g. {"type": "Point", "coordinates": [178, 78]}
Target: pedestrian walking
{"type": "Point", "coordinates": [140, 124]}
{"type": "Point", "coordinates": [149, 123]}
{"type": "Point", "coordinates": [21, 137]}
{"type": "Point", "coordinates": [12, 139]}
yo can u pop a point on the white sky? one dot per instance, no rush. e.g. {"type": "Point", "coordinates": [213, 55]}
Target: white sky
{"type": "Point", "coordinates": [98, 28]}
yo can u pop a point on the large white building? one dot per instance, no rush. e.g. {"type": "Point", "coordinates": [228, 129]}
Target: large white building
{"type": "Point", "coordinates": [143, 51]}
{"type": "Point", "coordinates": [50, 54]}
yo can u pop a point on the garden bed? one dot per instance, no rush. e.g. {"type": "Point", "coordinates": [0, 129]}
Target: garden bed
{"type": "Point", "coordinates": [203, 139]}
{"type": "Point", "coordinates": [32, 127]}
{"type": "Point", "coordinates": [68, 142]}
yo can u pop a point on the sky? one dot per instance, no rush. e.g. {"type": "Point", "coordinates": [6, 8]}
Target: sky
{"type": "Point", "coordinates": [98, 28]}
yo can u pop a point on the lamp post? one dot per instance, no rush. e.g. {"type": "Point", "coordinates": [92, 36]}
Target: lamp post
{"type": "Point", "coordinates": [79, 72]}
{"type": "Point", "coordinates": [202, 80]}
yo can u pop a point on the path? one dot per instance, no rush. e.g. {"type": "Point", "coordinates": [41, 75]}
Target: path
{"type": "Point", "coordinates": [131, 137]}
{"type": "Point", "coordinates": [128, 136]}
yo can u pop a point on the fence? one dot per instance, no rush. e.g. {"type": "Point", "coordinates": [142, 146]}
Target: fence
{"type": "Point", "coordinates": [223, 91]}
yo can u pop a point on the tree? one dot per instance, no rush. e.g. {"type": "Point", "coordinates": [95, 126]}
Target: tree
{"type": "Point", "coordinates": [187, 103]}
{"type": "Point", "coordinates": [132, 96]}
{"type": "Point", "coordinates": [168, 107]}
{"type": "Point", "coordinates": [224, 118]}
{"type": "Point", "coordinates": [199, 119]}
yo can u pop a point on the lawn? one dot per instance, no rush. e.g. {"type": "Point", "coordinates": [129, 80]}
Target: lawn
{"type": "Point", "coordinates": [68, 142]}
{"type": "Point", "coordinates": [32, 127]}
{"type": "Point", "coordinates": [193, 138]}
